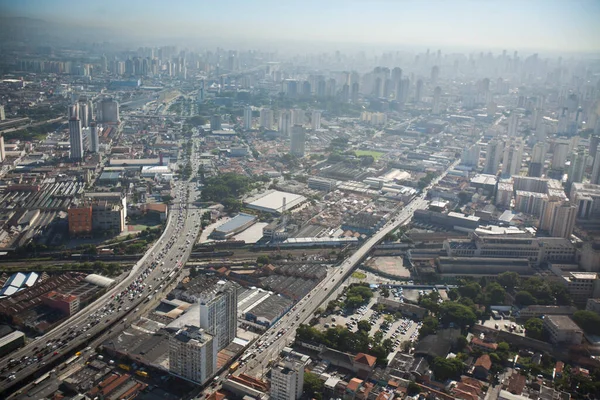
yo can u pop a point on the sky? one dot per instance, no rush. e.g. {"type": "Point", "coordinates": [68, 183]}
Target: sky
{"type": "Point", "coordinates": [561, 25]}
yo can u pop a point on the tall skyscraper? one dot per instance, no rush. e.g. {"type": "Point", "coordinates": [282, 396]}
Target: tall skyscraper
{"type": "Point", "coordinates": [193, 354]}
{"type": "Point", "coordinates": [437, 99]}
{"type": "Point", "coordinates": [298, 116]}
{"type": "Point", "coordinates": [435, 74]}
{"type": "Point", "coordinates": [493, 156]}
{"type": "Point", "coordinates": [94, 140]}
{"type": "Point", "coordinates": [218, 313]}
{"type": "Point", "coordinates": [595, 179]}
{"type": "Point", "coordinates": [298, 139]}
{"type": "Point", "coordinates": [512, 158]}
{"type": "Point", "coordinates": [559, 156]}
{"type": "Point", "coordinates": [2, 113]}
{"type": "Point", "coordinates": [538, 156]}
{"type": "Point", "coordinates": [579, 162]}
{"type": "Point", "coordinates": [285, 123]}
{"type": "Point", "coordinates": [248, 118]}
{"type": "Point", "coordinates": [266, 118]}
{"type": "Point", "coordinates": [2, 150]}
{"type": "Point", "coordinates": [564, 220]}
{"type": "Point", "coordinates": [287, 380]}
{"type": "Point", "coordinates": [315, 119]}
{"type": "Point", "coordinates": [471, 155]}
{"type": "Point", "coordinates": [215, 122]}
{"type": "Point", "coordinates": [419, 91]}
{"type": "Point", "coordinates": [109, 110]}
{"type": "Point", "coordinates": [354, 93]}
{"type": "Point", "coordinates": [75, 135]}
{"type": "Point", "coordinates": [513, 122]}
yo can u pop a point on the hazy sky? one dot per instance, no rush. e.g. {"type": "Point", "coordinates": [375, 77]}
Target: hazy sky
{"type": "Point", "coordinates": [570, 25]}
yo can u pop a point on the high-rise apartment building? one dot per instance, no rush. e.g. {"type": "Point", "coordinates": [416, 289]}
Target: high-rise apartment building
{"type": "Point", "coordinates": [248, 118]}
{"type": "Point", "coordinates": [538, 157]}
{"type": "Point", "coordinates": [513, 123]}
{"type": "Point", "coordinates": [419, 91]}
{"type": "Point", "coordinates": [298, 139]}
{"type": "Point", "coordinates": [579, 162]}
{"type": "Point", "coordinates": [266, 118]}
{"type": "Point", "coordinates": [75, 135]}
{"type": "Point", "coordinates": [218, 313]}
{"type": "Point", "coordinates": [437, 99]}
{"type": "Point", "coordinates": [559, 156]}
{"type": "Point", "coordinates": [471, 155]}
{"type": "Point", "coordinates": [285, 123]}
{"type": "Point", "coordinates": [564, 220]}
{"type": "Point", "coordinates": [595, 178]}
{"type": "Point", "coordinates": [94, 139]}
{"type": "Point", "coordinates": [493, 156]}
{"type": "Point", "coordinates": [287, 380]}
{"type": "Point", "coordinates": [2, 149]}
{"type": "Point", "coordinates": [315, 120]}
{"type": "Point", "coordinates": [215, 122]}
{"type": "Point", "coordinates": [193, 354]}
{"type": "Point", "coordinates": [435, 74]}
{"type": "Point", "coordinates": [512, 158]}
{"type": "Point", "coordinates": [109, 111]}
{"type": "Point", "coordinates": [2, 113]}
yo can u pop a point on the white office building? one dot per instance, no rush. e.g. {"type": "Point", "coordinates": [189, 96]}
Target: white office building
{"type": "Point", "coordinates": [285, 123]}
{"type": "Point", "coordinates": [493, 156]}
{"type": "Point", "coordinates": [316, 120]}
{"type": "Point", "coordinates": [193, 354]}
{"type": "Point", "coordinates": [512, 158]}
{"type": "Point", "coordinates": [266, 118]}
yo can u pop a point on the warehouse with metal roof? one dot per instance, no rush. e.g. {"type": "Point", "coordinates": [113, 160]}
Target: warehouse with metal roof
{"type": "Point", "coordinates": [99, 280]}
{"type": "Point", "coordinates": [275, 202]}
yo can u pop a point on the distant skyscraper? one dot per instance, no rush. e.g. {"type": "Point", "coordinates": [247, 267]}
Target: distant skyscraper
{"type": "Point", "coordinates": [512, 158]}
{"type": "Point", "coordinates": [285, 123]}
{"type": "Point", "coordinates": [2, 150]}
{"type": "Point", "coordinates": [419, 91]}
{"type": "Point", "coordinates": [354, 93]}
{"type": "Point", "coordinates": [435, 74]}
{"type": "Point", "coordinates": [578, 164]}
{"type": "Point", "coordinates": [193, 354]}
{"type": "Point", "coordinates": [559, 156]}
{"type": "Point", "coordinates": [201, 93]}
{"type": "Point", "coordinates": [316, 120]}
{"type": "Point", "coordinates": [538, 156]}
{"type": "Point", "coordinates": [403, 90]}
{"type": "Point", "coordinates": [215, 122]}
{"type": "Point", "coordinates": [297, 142]}
{"type": "Point", "coordinates": [218, 313]}
{"type": "Point", "coordinates": [75, 136]}
{"type": "Point", "coordinates": [266, 118]}
{"type": "Point", "coordinates": [595, 179]}
{"type": "Point", "coordinates": [397, 75]}
{"type": "Point", "coordinates": [2, 113]}
{"type": "Point", "coordinates": [471, 155]}
{"type": "Point", "coordinates": [494, 153]}
{"type": "Point", "coordinates": [513, 122]}
{"type": "Point", "coordinates": [248, 118]}
{"type": "Point", "coordinates": [109, 109]}
{"type": "Point", "coordinates": [437, 98]}
{"type": "Point", "coordinates": [298, 116]}
{"type": "Point", "coordinates": [94, 140]}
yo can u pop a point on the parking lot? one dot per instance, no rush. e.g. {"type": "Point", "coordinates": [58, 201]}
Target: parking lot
{"type": "Point", "coordinates": [398, 330]}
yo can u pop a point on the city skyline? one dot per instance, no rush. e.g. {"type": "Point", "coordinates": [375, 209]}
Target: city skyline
{"type": "Point", "coordinates": [533, 25]}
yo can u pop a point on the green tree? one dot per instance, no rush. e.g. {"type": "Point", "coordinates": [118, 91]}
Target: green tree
{"type": "Point", "coordinates": [413, 389]}
{"type": "Point", "coordinates": [495, 293]}
{"type": "Point", "coordinates": [457, 314]}
{"type": "Point", "coordinates": [534, 328]}
{"type": "Point", "coordinates": [589, 321]}
{"type": "Point", "coordinates": [508, 280]}
{"type": "Point", "coordinates": [446, 368]}
{"type": "Point", "coordinates": [471, 290]}
{"type": "Point", "coordinates": [385, 292]}
{"type": "Point", "coordinates": [524, 298]}
{"type": "Point", "coordinates": [364, 326]}
{"type": "Point", "coordinates": [429, 327]}
{"type": "Point", "coordinates": [312, 384]}
{"type": "Point", "coordinates": [263, 260]}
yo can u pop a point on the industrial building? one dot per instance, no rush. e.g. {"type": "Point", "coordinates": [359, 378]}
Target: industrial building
{"type": "Point", "coordinates": [234, 226]}
{"type": "Point", "coordinates": [562, 329]}
{"type": "Point", "coordinates": [276, 202]}
{"type": "Point", "coordinates": [11, 342]}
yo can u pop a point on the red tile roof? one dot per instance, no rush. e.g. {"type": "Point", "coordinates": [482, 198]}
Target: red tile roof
{"type": "Point", "coordinates": [366, 359]}
{"type": "Point", "coordinates": [484, 361]}
{"type": "Point", "coordinates": [354, 384]}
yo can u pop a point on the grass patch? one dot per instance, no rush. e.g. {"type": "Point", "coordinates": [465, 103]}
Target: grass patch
{"type": "Point", "coordinates": [375, 154]}
{"type": "Point", "coordinates": [359, 275]}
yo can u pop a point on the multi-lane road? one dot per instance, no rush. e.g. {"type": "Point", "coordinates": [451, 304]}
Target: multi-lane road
{"type": "Point", "coordinates": [270, 344]}
{"type": "Point", "coordinates": [148, 278]}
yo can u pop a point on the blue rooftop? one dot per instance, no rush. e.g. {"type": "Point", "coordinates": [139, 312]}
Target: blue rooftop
{"type": "Point", "coordinates": [236, 222]}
